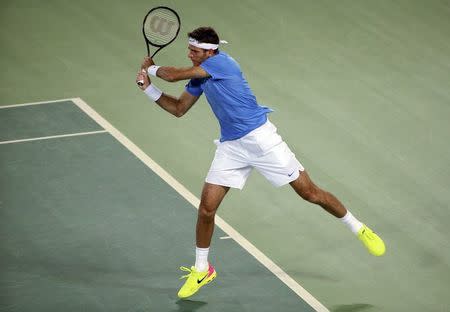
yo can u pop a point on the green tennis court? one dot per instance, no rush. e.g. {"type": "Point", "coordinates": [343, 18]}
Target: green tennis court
{"type": "Point", "coordinates": [101, 230]}
{"type": "Point", "coordinates": [97, 200]}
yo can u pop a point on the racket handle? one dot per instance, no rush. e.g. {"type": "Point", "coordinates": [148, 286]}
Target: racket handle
{"type": "Point", "coordinates": [141, 82]}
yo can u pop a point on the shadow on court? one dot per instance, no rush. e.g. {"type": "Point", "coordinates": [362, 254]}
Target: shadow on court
{"type": "Point", "coordinates": [189, 305]}
{"type": "Point", "coordinates": [357, 307]}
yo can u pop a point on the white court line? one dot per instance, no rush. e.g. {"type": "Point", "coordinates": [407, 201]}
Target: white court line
{"type": "Point", "coordinates": [255, 252]}
{"type": "Point", "coordinates": [34, 103]}
{"type": "Point", "coordinates": [53, 137]}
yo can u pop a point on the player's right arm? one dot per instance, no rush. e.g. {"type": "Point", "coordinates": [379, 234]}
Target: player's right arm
{"type": "Point", "coordinates": [176, 106]}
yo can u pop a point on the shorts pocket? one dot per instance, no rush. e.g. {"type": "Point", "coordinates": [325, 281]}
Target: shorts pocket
{"type": "Point", "coordinates": [259, 144]}
{"type": "Point", "coordinates": [269, 141]}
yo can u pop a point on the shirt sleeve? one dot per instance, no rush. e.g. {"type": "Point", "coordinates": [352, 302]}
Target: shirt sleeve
{"type": "Point", "coordinates": [194, 87]}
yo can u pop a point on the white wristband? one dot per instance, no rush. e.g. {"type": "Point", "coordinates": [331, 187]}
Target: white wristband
{"type": "Point", "coordinates": [153, 92]}
{"type": "Point", "coordinates": [152, 70]}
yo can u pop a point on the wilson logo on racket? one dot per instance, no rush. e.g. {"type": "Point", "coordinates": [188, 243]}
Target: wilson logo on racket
{"type": "Point", "coordinates": [161, 26]}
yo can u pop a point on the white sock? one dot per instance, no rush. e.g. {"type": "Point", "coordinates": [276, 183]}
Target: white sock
{"type": "Point", "coordinates": [351, 222]}
{"type": "Point", "coordinates": [201, 259]}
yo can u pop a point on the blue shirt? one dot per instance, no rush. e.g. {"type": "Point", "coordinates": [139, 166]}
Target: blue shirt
{"type": "Point", "coordinates": [229, 96]}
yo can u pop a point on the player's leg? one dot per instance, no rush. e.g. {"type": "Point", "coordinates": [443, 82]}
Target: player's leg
{"type": "Point", "coordinates": [202, 272]}
{"type": "Point", "coordinates": [212, 196]}
{"type": "Point", "coordinates": [228, 170]}
{"type": "Point", "coordinates": [314, 194]}
{"type": "Point", "coordinates": [275, 161]}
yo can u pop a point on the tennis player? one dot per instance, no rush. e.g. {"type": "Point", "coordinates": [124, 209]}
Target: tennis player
{"type": "Point", "coordinates": [247, 140]}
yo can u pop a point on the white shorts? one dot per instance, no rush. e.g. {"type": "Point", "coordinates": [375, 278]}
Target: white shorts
{"type": "Point", "coordinates": [262, 149]}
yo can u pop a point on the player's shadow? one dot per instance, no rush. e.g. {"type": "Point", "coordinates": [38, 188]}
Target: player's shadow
{"type": "Point", "coordinates": [189, 305]}
{"type": "Point", "coordinates": [357, 307]}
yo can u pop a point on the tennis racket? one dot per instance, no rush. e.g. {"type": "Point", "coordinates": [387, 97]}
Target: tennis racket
{"type": "Point", "coordinates": [160, 28]}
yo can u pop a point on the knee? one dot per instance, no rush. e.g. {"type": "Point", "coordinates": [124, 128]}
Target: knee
{"type": "Point", "coordinates": [206, 214]}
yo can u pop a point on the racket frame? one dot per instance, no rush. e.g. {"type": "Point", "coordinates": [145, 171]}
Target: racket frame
{"type": "Point", "coordinates": [159, 46]}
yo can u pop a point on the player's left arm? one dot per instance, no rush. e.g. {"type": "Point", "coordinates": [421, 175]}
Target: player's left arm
{"type": "Point", "coordinates": [172, 74]}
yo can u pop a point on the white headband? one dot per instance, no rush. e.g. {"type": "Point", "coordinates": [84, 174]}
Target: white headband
{"type": "Point", "coordinates": [206, 46]}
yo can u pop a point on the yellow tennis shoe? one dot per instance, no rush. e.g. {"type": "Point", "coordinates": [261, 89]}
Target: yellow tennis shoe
{"type": "Point", "coordinates": [195, 280]}
{"type": "Point", "coordinates": [372, 241]}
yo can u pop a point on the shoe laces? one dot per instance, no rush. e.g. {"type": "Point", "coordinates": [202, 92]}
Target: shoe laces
{"type": "Point", "coordinates": [369, 234]}
{"type": "Point", "coordinates": [185, 269]}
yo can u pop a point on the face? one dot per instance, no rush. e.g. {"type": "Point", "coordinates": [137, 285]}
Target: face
{"type": "Point", "coordinates": [198, 55]}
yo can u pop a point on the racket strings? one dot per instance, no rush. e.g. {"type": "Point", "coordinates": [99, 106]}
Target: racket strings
{"type": "Point", "coordinates": [161, 27]}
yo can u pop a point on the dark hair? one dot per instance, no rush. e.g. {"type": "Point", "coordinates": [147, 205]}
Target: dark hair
{"type": "Point", "coordinates": [205, 35]}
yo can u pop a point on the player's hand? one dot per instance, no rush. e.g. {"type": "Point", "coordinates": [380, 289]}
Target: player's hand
{"type": "Point", "coordinates": [148, 61]}
{"type": "Point", "coordinates": [143, 77]}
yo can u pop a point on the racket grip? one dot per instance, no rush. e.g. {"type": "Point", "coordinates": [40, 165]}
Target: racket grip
{"type": "Point", "coordinates": [141, 82]}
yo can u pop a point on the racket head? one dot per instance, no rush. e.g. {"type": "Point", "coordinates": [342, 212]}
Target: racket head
{"type": "Point", "coordinates": [160, 27]}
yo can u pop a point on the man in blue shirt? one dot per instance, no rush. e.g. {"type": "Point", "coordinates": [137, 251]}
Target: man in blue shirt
{"type": "Point", "coordinates": [248, 140]}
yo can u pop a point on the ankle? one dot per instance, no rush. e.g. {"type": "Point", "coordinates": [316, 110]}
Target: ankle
{"type": "Point", "coordinates": [201, 259]}
{"type": "Point", "coordinates": [351, 222]}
